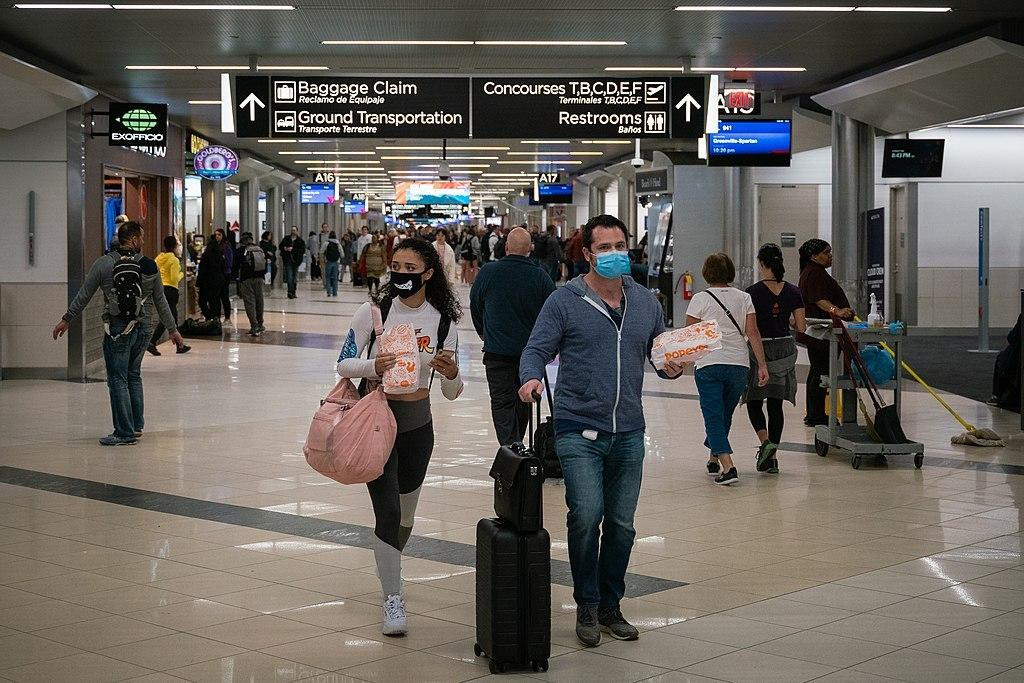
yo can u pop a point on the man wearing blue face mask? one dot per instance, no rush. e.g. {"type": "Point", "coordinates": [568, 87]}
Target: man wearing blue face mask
{"type": "Point", "coordinates": [602, 325]}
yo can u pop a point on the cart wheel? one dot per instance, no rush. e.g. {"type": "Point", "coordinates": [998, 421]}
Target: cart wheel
{"type": "Point", "coordinates": [494, 667]}
{"type": "Point", "coordinates": [540, 665]}
{"type": "Point", "coordinates": [856, 462]}
{"type": "Point", "coordinates": [918, 460]}
{"type": "Point", "coordinates": [477, 650]}
{"type": "Point", "coordinates": [820, 447]}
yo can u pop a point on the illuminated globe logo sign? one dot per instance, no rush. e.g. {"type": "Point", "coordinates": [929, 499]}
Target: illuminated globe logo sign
{"type": "Point", "coordinates": [139, 120]}
{"type": "Point", "coordinates": [138, 124]}
{"type": "Point", "coordinates": [216, 163]}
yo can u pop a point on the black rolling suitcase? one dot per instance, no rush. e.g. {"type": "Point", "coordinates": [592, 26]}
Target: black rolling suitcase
{"type": "Point", "coordinates": [513, 596]}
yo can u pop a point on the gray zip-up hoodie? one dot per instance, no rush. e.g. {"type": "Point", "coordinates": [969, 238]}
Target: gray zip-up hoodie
{"type": "Point", "coordinates": [601, 367]}
{"type": "Point", "coordinates": [101, 276]}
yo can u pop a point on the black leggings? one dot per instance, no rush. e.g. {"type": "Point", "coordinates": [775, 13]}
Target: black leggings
{"type": "Point", "coordinates": [817, 354]}
{"type": "Point", "coordinates": [394, 493]}
{"type": "Point", "coordinates": [776, 420]}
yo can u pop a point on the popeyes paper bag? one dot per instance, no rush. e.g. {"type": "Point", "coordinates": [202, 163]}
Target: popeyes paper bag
{"type": "Point", "coordinates": [687, 344]}
{"type": "Point", "coordinates": [404, 377]}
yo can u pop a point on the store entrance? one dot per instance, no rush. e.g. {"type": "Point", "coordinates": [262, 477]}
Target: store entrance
{"type": "Point", "coordinates": [143, 198]}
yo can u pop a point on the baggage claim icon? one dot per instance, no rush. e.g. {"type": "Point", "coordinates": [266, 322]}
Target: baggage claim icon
{"type": "Point", "coordinates": [216, 163]}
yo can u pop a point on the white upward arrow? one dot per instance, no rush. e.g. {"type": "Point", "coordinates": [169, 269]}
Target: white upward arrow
{"type": "Point", "coordinates": [252, 102]}
{"type": "Point", "coordinates": [689, 102]}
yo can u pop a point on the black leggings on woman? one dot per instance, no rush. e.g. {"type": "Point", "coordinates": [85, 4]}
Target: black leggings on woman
{"type": "Point", "coordinates": [776, 420]}
{"type": "Point", "coordinates": [394, 493]}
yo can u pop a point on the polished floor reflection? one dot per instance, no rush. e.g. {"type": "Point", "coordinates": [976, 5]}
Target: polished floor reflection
{"type": "Point", "coordinates": [223, 557]}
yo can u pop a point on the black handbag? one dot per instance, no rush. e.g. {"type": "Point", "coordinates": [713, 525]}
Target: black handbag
{"type": "Point", "coordinates": [544, 439]}
{"type": "Point", "coordinates": [518, 485]}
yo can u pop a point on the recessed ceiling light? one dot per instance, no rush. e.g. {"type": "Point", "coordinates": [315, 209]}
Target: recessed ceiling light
{"type": "Point", "coordinates": [368, 162]}
{"type": "Point", "coordinates": [521, 174]}
{"type": "Point", "coordinates": [60, 5]}
{"type": "Point", "coordinates": [541, 162]}
{"type": "Point", "coordinates": [606, 142]}
{"type": "Point", "coordinates": [436, 158]}
{"type": "Point", "coordinates": [159, 67]}
{"type": "Point", "coordinates": [232, 8]}
{"type": "Point", "coordinates": [544, 142]}
{"type": "Point", "coordinates": [396, 42]}
{"type": "Point", "coordinates": [554, 42]}
{"type": "Point", "coordinates": [936, 10]}
{"type": "Point", "coordinates": [457, 165]}
{"type": "Point", "coordinates": [236, 67]}
{"type": "Point", "coordinates": [478, 148]}
{"type": "Point", "coordinates": [263, 67]}
{"type": "Point", "coordinates": [299, 152]}
{"type": "Point", "coordinates": [677, 69]}
{"type": "Point", "coordinates": [216, 102]}
{"type": "Point", "coordinates": [761, 69]}
{"type": "Point", "coordinates": [572, 154]}
{"type": "Point", "coordinates": [986, 125]}
{"type": "Point", "coordinates": [762, 8]}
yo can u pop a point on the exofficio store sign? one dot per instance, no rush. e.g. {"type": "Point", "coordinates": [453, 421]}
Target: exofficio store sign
{"type": "Point", "coordinates": [137, 124]}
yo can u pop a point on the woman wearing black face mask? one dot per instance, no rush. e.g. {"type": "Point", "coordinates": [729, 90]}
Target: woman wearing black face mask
{"type": "Point", "coordinates": [418, 293]}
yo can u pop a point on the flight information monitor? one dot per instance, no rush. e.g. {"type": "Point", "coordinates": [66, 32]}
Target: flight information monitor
{"type": "Point", "coordinates": [754, 142]}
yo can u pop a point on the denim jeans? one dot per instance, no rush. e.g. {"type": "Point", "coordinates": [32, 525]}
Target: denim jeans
{"type": "Point", "coordinates": [331, 276]}
{"type": "Point", "coordinates": [291, 275]}
{"type": "Point", "coordinates": [123, 358]}
{"type": "Point", "coordinates": [602, 485]}
{"type": "Point", "coordinates": [720, 388]}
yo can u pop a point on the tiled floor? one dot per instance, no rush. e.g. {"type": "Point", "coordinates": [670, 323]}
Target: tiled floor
{"type": "Point", "coordinates": [820, 573]}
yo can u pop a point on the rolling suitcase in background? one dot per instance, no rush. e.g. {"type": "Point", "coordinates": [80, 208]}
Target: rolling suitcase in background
{"type": "Point", "coordinates": [513, 596]}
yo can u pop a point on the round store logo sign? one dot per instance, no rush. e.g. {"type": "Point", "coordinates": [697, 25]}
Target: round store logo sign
{"type": "Point", "coordinates": [216, 163]}
{"type": "Point", "coordinates": [138, 120]}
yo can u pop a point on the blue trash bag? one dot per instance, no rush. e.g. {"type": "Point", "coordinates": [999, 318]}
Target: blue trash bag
{"type": "Point", "coordinates": [881, 366]}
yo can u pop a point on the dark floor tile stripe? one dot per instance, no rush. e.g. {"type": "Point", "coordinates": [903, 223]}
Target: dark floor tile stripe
{"type": "Point", "coordinates": [423, 547]}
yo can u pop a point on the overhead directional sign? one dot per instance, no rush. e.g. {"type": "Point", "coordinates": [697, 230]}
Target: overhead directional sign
{"type": "Point", "coordinates": [689, 106]}
{"type": "Point", "coordinates": [252, 106]}
{"type": "Point", "coordinates": [571, 107]}
{"type": "Point", "coordinates": [344, 107]}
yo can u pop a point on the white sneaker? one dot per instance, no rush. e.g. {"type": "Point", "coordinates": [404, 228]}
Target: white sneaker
{"type": "Point", "coordinates": [394, 616]}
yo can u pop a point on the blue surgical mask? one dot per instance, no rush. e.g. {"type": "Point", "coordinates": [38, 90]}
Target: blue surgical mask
{"type": "Point", "coordinates": [612, 264]}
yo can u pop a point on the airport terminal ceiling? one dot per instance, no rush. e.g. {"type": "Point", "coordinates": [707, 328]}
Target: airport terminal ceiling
{"type": "Point", "coordinates": [98, 46]}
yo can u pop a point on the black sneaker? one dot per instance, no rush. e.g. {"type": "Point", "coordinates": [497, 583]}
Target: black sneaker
{"type": "Point", "coordinates": [714, 467]}
{"type": "Point", "coordinates": [728, 478]}
{"type": "Point", "coordinates": [614, 624]}
{"type": "Point", "coordinates": [588, 631]}
{"type": "Point", "coordinates": [184, 348]}
{"type": "Point", "coordinates": [765, 455]}
{"type": "Point", "coordinates": [153, 350]}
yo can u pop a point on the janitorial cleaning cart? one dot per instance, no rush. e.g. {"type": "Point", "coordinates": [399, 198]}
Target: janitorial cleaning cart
{"type": "Point", "coordinates": [876, 438]}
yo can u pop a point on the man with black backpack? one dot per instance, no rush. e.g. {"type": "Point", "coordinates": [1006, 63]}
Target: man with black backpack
{"type": "Point", "coordinates": [131, 285]}
{"type": "Point", "coordinates": [251, 272]}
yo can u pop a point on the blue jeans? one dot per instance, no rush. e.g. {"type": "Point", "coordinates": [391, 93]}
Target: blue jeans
{"type": "Point", "coordinates": [602, 485]}
{"type": "Point", "coordinates": [720, 388]}
{"type": "Point", "coordinates": [331, 269]}
{"type": "Point", "coordinates": [291, 275]}
{"type": "Point", "coordinates": [123, 358]}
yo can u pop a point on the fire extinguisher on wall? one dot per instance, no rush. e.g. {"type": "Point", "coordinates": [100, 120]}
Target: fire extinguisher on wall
{"type": "Point", "coordinates": [686, 280]}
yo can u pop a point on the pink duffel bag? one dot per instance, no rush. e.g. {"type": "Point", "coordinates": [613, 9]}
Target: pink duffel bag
{"type": "Point", "coordinates": [350, 438]}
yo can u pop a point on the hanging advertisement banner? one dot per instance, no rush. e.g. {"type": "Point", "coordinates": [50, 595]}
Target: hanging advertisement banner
{"type": "Point", "coordinates": [216, 162]}
{"type": "Point", "coordinates": [137, 124]}
{"type": "Point", "coordinates": [874, 241]}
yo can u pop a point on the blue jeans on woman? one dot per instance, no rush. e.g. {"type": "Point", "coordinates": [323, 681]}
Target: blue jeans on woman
{"type": "Point", "coordinates": [331, 269]}
{"type": "Point", "coordinates": [123, 359]}
{"type": "Point", "coordinates": [602, 485]}
{"type": "Point", "coordinates": [720, 388]}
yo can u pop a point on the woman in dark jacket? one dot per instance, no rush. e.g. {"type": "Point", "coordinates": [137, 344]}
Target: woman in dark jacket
{"type": "Point", "coordinates": [211, 278]}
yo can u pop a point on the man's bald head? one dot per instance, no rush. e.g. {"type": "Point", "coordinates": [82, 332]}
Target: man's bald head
{"type": "Point", "coordinates": [518, 242]}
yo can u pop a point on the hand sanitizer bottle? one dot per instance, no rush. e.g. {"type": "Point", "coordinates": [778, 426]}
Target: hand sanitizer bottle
{"type": "Point", "coordinates": [874, 317]}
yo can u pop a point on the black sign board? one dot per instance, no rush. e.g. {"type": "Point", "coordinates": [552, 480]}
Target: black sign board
{"type": "Point", "coordinates": [689, 106]}
{"type": "Point", "coordinates": [342, 107]}
{"type": "Point", "coordinates": [571, 107]}
{"type": "Point", "coordinates": [252, 106]}
{"type": "Point", "coordinates": [912, 158]}
{"type": "Point", "coordinates": [137, 124]}
{"type": "Point", "coordinates": [648, 182]}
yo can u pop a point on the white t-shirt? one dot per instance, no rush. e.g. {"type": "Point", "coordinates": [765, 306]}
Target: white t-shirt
{"type": "Point", "coordinates": [734, 345]}
{"type": "Point", "coordinates": [353, 363]}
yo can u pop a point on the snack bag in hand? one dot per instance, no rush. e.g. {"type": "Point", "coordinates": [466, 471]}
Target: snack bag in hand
{"type": "Point", "coordinates": [687, 344]}
{"type": "Point", "coordinates": [404, 378]}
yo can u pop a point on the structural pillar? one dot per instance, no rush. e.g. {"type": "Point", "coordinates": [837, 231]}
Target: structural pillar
{"type": "Point", "coordinates": [274, 213]}
{"type": "Point", "coordinates": [214, 196]}
{"type": "Point", "coordinates": [627, 207]}
{"type": "Point", "coordinates": [595, 203]}
{"type": "Point", "coordinates": [249, 206]}
{"type": "Point", "coordinates": [853, 190]}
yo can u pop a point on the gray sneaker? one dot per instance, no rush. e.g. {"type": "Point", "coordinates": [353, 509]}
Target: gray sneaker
{"type": "Point", "coordinates": [113, 440]}
{"type": "Point", "coordinates": [588, 631]}
{"type": "Point", "coordinates": [615, 624]}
